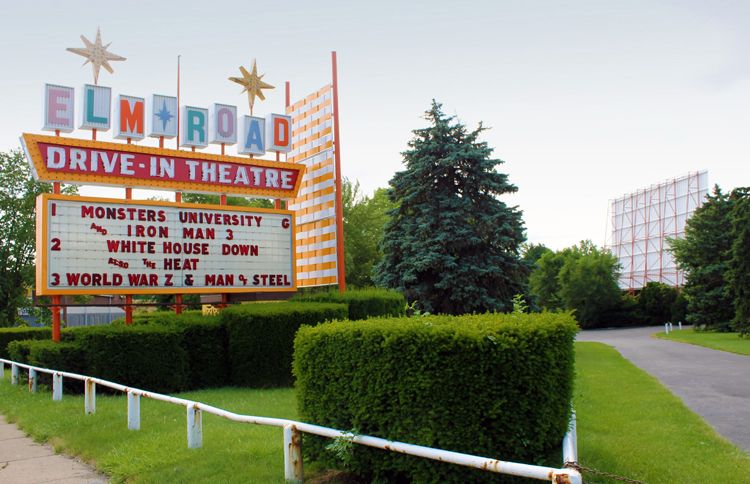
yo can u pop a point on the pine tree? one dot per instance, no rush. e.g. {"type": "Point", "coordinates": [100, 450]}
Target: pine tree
{"type": "Point", "coordinates": [450, 244]}
{"type": "Point", "coordinates": [738, 275]}
{"type": "Point", "coordinates": [704, 254]}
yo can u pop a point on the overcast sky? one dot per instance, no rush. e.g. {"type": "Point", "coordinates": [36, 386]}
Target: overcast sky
{"type": "Point", "coordinates": [586, 100]}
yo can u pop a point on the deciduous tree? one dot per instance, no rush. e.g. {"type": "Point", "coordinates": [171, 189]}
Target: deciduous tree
{"type": "Point", "coordinates": [18, 192]}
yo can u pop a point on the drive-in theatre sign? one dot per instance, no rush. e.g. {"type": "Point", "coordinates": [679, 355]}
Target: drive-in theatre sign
{"type": "Point", "coordinates": [108, 246]}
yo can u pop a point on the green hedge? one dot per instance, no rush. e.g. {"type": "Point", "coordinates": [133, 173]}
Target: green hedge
{"type": "Point", "coordinates": [261, 338]}
{"type": "Point", "coordinates": [206, 345]}
{"type": "Point", "coordinates": [49, 354]}
{"type": "Point", "coordinates": [148, 357]}
{"type": "Point", "coordinates": [16, 334]}
{"type": "Point", "coordinates": [362, 303]}
{"type": "Point", "coordinates": [492, 385]}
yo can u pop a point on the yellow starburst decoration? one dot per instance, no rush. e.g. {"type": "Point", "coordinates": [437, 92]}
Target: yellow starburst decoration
{"type": "Point", "coordinates": [96, 53]}
{"type": "Point", "coordinates": [252, 84]}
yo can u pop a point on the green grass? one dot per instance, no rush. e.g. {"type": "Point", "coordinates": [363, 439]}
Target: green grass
{"type": "Point", "coordinates": [730, 342]}
{"type": "Point", "coordinates": [158, 453]}
{"type": "Point", "coordinates": [629, 424]}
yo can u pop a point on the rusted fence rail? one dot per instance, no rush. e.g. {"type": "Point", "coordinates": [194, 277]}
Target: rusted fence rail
{"type": "Point", "coordinates": [292, 430]}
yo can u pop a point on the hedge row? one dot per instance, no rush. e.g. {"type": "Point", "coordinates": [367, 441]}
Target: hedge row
{"type": "Point", "coordinates": [247, 345]}
{"type": "Point", "coordinates": [8, 335]}
{"type": "Point", "coordinates": [491, 385]}
{"type": "Point", "coordinates": [261, 338]}
{"type": "Point", "coordinates": [362, 303]}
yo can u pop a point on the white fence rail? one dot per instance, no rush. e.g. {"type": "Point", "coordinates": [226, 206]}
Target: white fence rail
{"type": "Point", "coordinates": [292, 430]}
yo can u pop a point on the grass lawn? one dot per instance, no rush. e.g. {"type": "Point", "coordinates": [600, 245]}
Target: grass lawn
{"type": "Point", "coordinates": [730, 342]}
{"type": "Point", "coordinates": [628, 424]}
{"type": "Point", "coordinates": [158, 453]}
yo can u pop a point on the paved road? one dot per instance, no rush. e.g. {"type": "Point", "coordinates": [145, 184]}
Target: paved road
{"type": "Point", "coordinates": [22, 461]}
{"type": "Point", "coordinates": [714, 384]}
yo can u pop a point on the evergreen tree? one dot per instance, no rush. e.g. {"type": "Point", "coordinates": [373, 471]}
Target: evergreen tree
{"type": "Point", "coordinates": [451, 244]}
{"type": "Point", "coordinates": [704, 255]}
{"type": "Point", "coordinates": [738, 274]}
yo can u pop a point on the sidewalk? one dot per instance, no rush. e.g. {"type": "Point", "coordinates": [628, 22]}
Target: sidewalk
{"type": "Point", "coordinates": [712, 383]}
{"type": "Point", "coordinates": [22, 461]}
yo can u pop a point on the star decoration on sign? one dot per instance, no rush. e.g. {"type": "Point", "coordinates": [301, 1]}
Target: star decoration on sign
{"type": "Point", "coordinates": [164, 115]}
{"type": "Point", "coordinates": [252, 83]}
{"type": "Point", "coordinates": [96, 54]}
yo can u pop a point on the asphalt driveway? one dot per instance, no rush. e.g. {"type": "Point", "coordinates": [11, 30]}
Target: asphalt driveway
{"type": "Point", "coordinates": [714, 384]}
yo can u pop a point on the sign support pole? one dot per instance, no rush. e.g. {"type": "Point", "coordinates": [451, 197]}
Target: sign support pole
{"type": "Point", "coordinates": [178, 297]}
{"type": "Point", "coordinates": [337, 157]}
{"type": "Point", "coordinates": [128, 298]}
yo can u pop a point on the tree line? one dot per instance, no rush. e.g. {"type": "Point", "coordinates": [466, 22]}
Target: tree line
{"type": "Point", "coordinates": [442, 235]}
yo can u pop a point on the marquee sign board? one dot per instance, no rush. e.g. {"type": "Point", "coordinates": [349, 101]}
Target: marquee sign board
{"type": "Point", "coordinates": [107, 246]}
{"type": "Point", "coordinates": [54, 158]}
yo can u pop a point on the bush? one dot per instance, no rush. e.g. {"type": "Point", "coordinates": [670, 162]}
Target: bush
{"type": "Point", "coordinates": [49, 354]}
{"type": "Point", "coordinates": [491, 385]}
{"type": "Point", "coordinates": [655, 302]}
{"type": "Point", "coordinates": [362, 303]}
{"type": "Point", "coordinates": [15, 334]}
{"type": "Point", "coordinates": [147, 357]}
{"type": "Point", "coordinates": [206, 344]}
{"type": "Point", "coordinates": [261, 338]}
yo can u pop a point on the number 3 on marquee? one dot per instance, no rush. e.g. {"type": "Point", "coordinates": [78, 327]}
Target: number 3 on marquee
{"type": "Point", "coordinates": [55, 279]}
{"type": "Point", "coordinates": [230, 234]}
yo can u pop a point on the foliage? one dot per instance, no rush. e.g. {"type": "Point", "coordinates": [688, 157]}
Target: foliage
{"type": "Point", "coordinates": [738, 263]}
{"type": "Point", "coordinates": [704, 255]}
{"type": "Point", "coordinates": [208, 199]}
{"type": "Point", "coordinates": [206, 345]}
{"type": "Point", "coordinates": [364, 219]}
{"type": "Point", "coordinates": [533, 252]}
{"type": "Point", "coordinates": [422, 380]}
{"type": "Point", "coordinates": [7, 335]}
{"type": "Point", "coordinates": [149, 357]}
{"type": "Point", "coordinates": [18, 192]}
{"type": "Point", "coordinates": [588, 283]}
{"type": "Point", "coordinates": [261, 338]}
{"type": "Point", "coordinates": [543, 281]}
{"type": "Point", "coordinates": [362, 303]}
{"type": "Point", "coordinates": [519, 304]}
{"type": "Point", "coordinates": [655, 303]}
{"type": "Point", "coordinates": [582, 278]}
{"type": "Point", "coordinates": [451, 243]}
{"type": "Point", "coordinates": [50, 354]}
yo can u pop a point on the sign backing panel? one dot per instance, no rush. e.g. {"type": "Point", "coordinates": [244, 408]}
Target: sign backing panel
{"type": "Point", "coordinates": [91, 245]}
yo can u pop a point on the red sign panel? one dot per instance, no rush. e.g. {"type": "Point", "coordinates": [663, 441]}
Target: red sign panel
{"type": "Point", "coordinates": [99, 163]}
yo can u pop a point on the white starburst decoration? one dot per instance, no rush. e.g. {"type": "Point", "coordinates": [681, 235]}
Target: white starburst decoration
{"type": "Point", "coordinates": [96, 53]}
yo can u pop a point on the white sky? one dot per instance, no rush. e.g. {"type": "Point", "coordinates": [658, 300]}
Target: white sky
{"type": "Point", "coordinates": [587, 100]}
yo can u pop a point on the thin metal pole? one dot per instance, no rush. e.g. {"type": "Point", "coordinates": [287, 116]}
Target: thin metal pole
{"type": "Point", "coordinates": [337, 158]}
{"type": "Point", "coordinates": [178, 101]}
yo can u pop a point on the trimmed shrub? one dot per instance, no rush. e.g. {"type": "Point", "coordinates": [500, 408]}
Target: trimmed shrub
{"type": "Point", "coordinates": [148, 357]}
{"type": "Point", "coordinates": [362, 303]}
{"type": "Point", "coordinates": [261, 338]}
{"type": "Point", "coordinates": [49, 354]}
{"type": "Point", "coordinates": [495, 385]}
{"type": "Point", "coordinates": [23, 333]}
{"type": "Point", "coordinates": [206, 345]}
